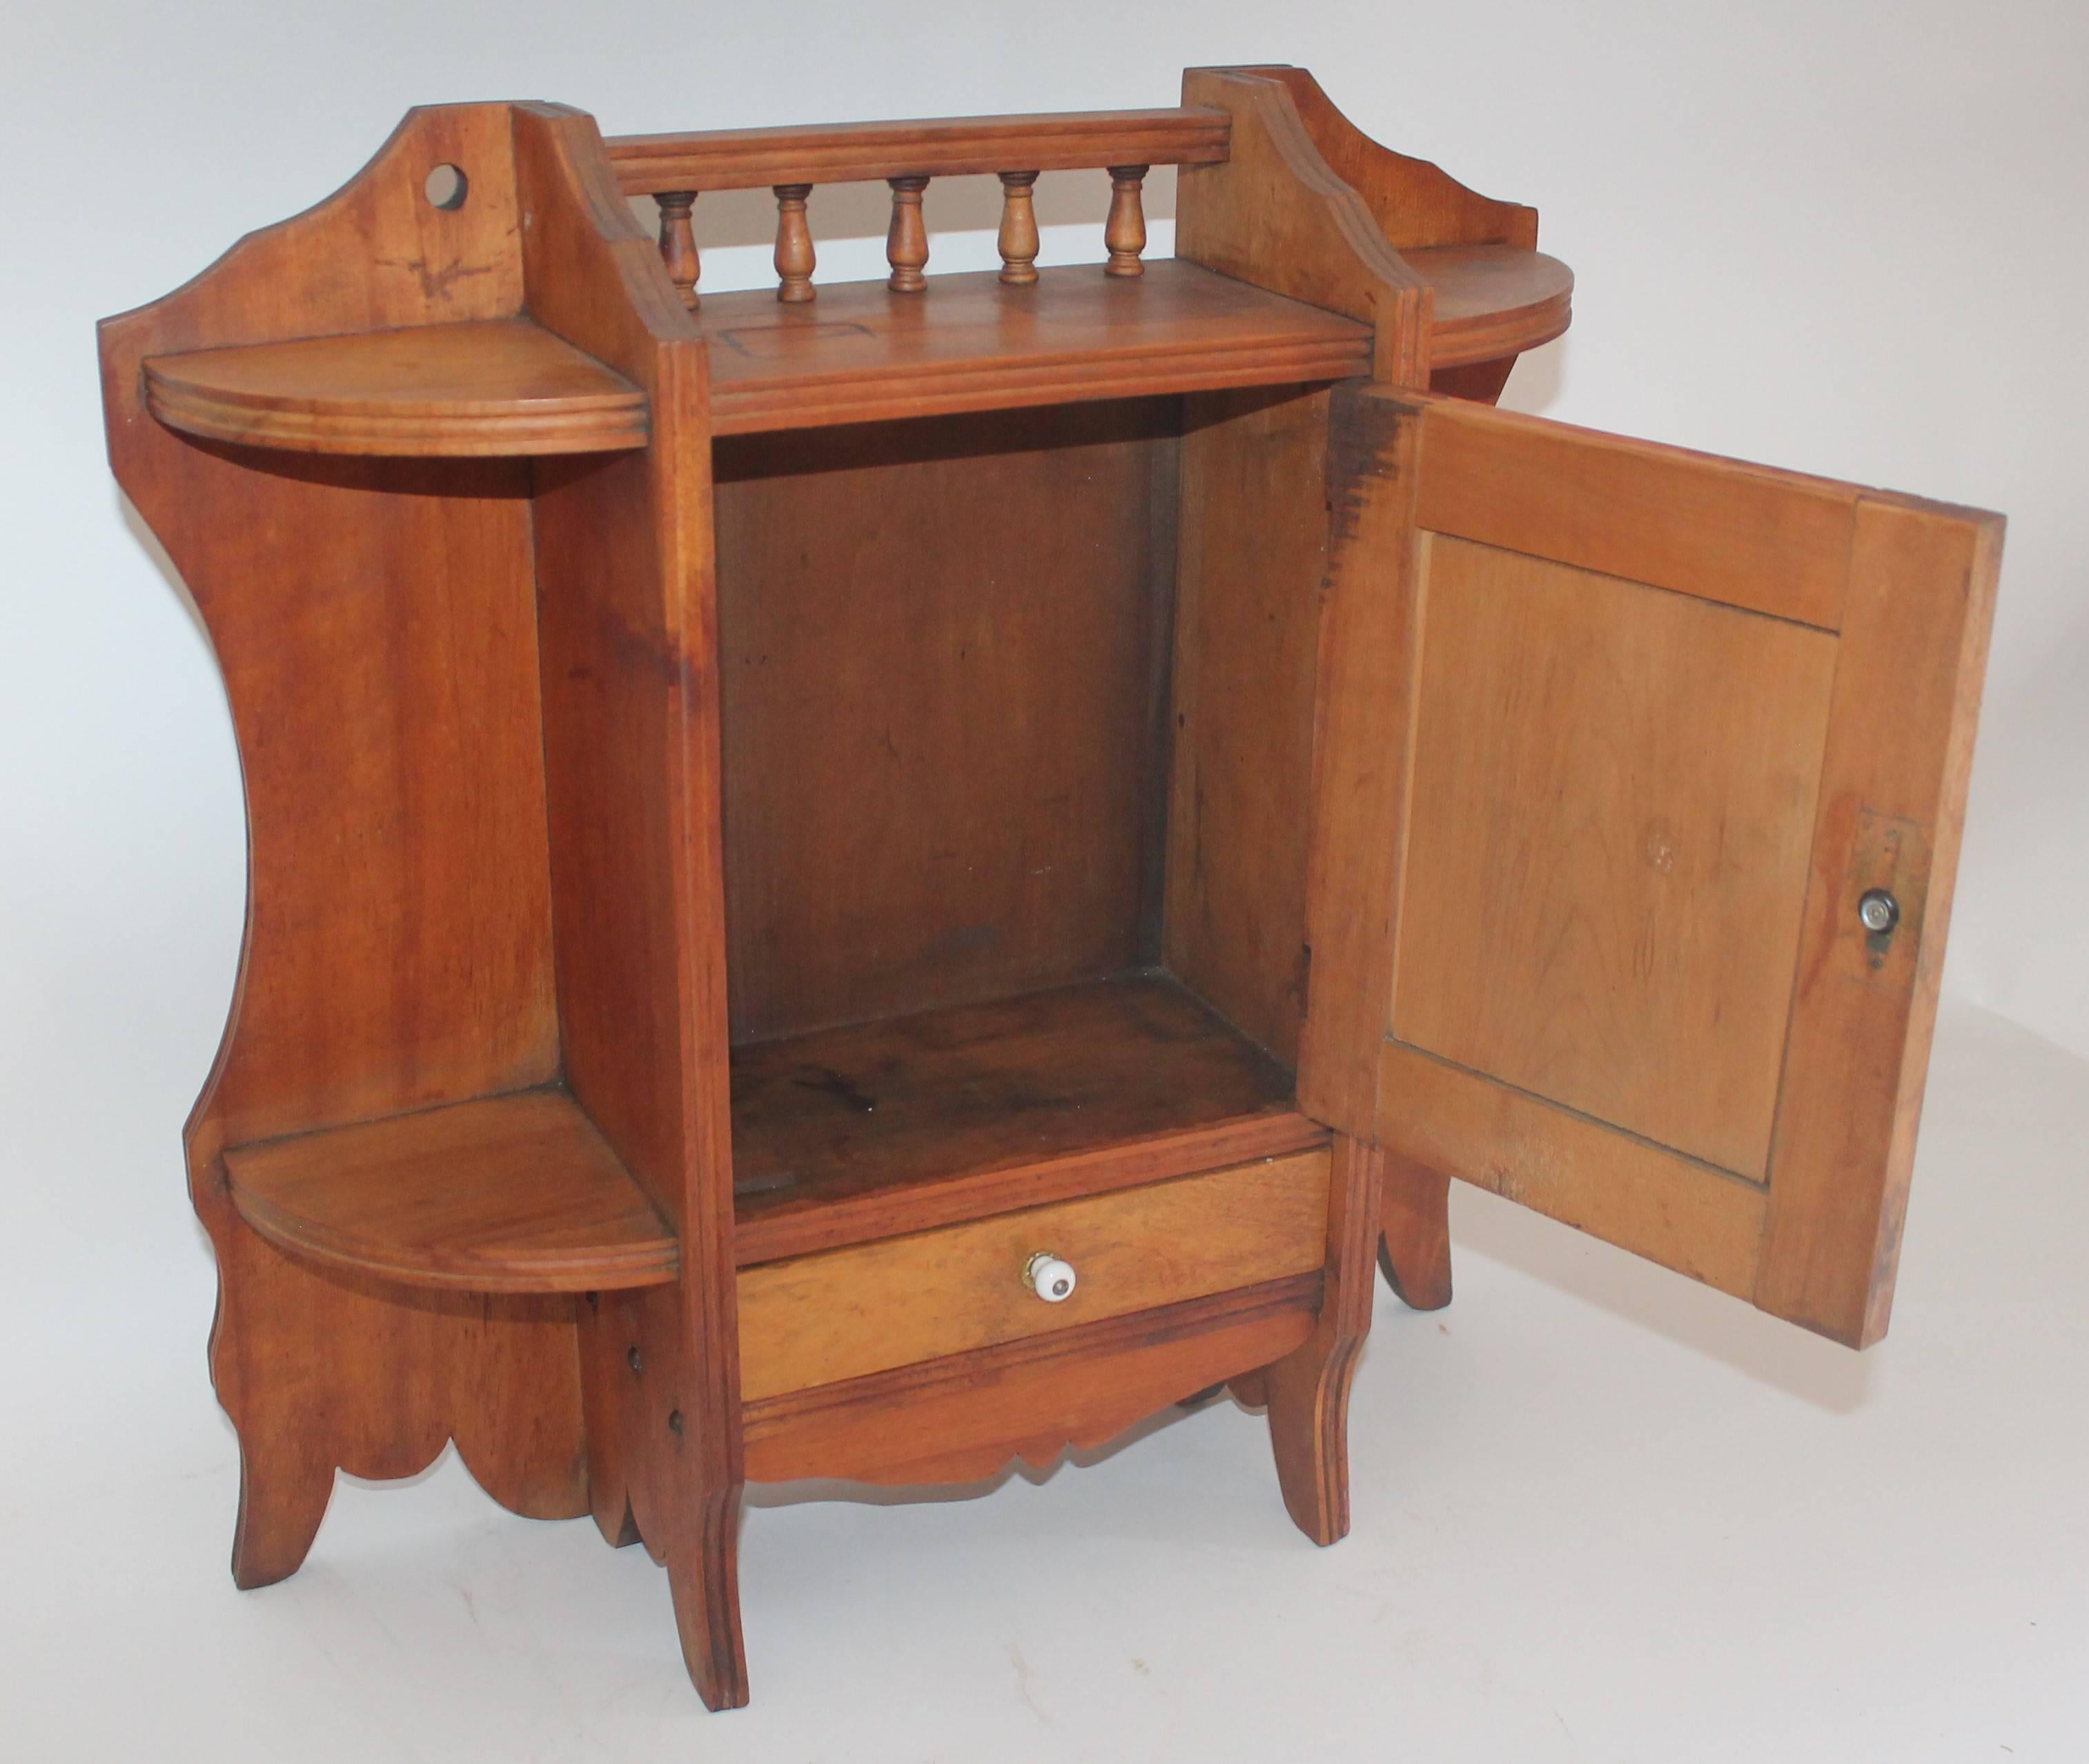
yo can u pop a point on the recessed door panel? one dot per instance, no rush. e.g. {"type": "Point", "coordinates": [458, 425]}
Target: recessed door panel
{"type": "Point", "coordinates": [1640, 784]}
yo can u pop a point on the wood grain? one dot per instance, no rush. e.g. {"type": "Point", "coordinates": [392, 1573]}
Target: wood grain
{"type": "Point", "coordinates": [627, 612]}
{"type": "Point", "coordinates": [1516, 785]}
{"type": "Point", "coordinates": [1919, 608]}
{"type": "Point", "coordinates": [398, 948]}
{"type": "Point", "coordinates": [818, 1319]}
{"type": "Point", "coordinates": [1253, 555]}
{"type": "Point", "coordinates": [652, 1470]}
{"type": "Point", "coordinates": [1687, 1216]}
{"type": "Point", "coordinates": [1274, 215]}
{"type": "Point", "coordinates": [1491, 300]}
{"type": "Point", "coordinates": [961, 800]}
{"type": "Point", "coordinates": [907, 1122]}
{"type": "Point", "coordinates": [1721, 529]}
{"type": "Point", "coordinates": [862, 352]}
{"type": "Point", "coordinates": [1369, 687]}
{"type": "Point", "coordinates": [1480, 382]}
{"type": "Point", "coordinates": [496, 387]}
{"type": "Point", "coordinates": [1643, 820]}
{"type": "Point", "coordinates": [1413, 202]}
{"type": "Point", "coordinates": [322, 1371]}
{"type": "Point", "coordinates": [1415, 1233]}
{"type": "Point", "coordinates": [795, 258]}
{"type": "Point", "coordinates": [511, 1194]}
{"type": "Point", "coordinates": [1308, 1390]}
{"type": "Point", "coordinates": [1612, 810]}
{"type": "Point", "coordinates": [969, 1417]}
{"type": "Point", "coordinates": [936, 147]}
{"type": "Point", "coordinates": [1492, 293]}
{"type": "Point", "coordinates": [1017, 239]}
{"type": "Point", "coordinates": [398, 951]}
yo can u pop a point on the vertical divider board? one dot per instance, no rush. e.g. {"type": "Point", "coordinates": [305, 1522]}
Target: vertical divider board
{"type": "Point", "coordinates": [628, 629]}
{"type": "Point", "coordinates": [1281, 586]}
{"type": "Point", "coordinates": [1257, 574]}
{"type": "Point", "coordinates": [409, 967]}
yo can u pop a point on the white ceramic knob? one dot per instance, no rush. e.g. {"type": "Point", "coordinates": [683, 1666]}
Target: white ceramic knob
{"type": "Point", "coordinates": [1051, 1279]}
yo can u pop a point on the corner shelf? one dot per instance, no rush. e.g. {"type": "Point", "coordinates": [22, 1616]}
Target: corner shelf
{"type": "Point", "coordinates": [840, 1135]}
{"type": "Point", "coordinates": [1492, 300]}
{"type": "Point", "coordinates": [860, 353]}
{"type": "Point", "coordinates": [508, 1194]}
{"type": "Point", "coordinates": [487, 388]}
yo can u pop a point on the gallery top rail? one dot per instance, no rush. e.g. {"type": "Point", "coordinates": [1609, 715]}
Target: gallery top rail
{"type": "Point", "coordinates": [941, 147]}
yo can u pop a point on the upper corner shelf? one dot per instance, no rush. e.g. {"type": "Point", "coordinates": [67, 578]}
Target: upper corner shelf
{"type": "Point", "coordinates": [1492, 300]}
{"type": "Point", "coordinates": [487, 388]}
{"type": "Point", "coordinates": [509, 388]}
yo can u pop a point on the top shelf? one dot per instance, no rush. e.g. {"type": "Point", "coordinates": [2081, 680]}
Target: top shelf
{"type": "Point", "coordinates": [494, 387]}
{"type": "Point", "coordinates": [858, 354]}
{"type": "Point", "coordinates": [861, 353]}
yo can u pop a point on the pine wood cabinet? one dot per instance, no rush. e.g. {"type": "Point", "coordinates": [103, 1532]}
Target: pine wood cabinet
{"type": "Point", "coordinates": [875, 879]}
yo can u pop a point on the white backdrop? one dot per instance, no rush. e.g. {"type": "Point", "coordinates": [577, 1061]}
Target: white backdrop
{"type": "Point", "coordinates": [1848, 238]}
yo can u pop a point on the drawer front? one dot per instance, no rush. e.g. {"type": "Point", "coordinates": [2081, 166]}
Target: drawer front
{"type": "Point", "coordinates": [817, 1319]}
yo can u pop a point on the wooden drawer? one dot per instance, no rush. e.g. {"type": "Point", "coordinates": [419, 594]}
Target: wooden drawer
{"type": "Point", "coordinates": [817, 1319]}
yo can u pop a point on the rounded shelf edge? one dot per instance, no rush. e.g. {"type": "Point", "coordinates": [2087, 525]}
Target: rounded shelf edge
{"type": "Point", "coordinates": [479, 389]}
{"type": "Point", "coordinates": [1492, 300]}
{"type": "Point", "coordinates": [513, 1193]}
{"type": "Point", "coordinates": [518, 1269]}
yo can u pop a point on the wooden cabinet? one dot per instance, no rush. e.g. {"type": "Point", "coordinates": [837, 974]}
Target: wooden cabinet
{"type": "Point", "coordinates": [879, 880]}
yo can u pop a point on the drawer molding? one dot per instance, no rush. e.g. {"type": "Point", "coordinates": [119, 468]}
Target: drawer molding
{"type": "Point", "coordinates": [845, 1314]}
{"type": "Point", "coordinates": [969, 1417]}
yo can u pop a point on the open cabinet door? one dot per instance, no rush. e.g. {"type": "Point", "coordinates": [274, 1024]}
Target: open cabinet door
{"type": "Point", "coordinates": [1655, 764]}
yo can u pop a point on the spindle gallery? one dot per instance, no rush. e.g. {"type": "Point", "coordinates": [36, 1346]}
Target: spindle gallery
{"type": "Point", "coordinates": [875, 880]}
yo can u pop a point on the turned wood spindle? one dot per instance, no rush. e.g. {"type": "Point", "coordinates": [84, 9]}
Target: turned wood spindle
{"type": "Point", "coordinates": [794, 244]}
{"type": "Point", "coordinates": [1125, 232]}
{"type": "Point", "coordinates": [906, 244]}
{"type": "Point", "coordinates": [1018, 229]}
{"type": "Point", "coordinates": [678, 242]}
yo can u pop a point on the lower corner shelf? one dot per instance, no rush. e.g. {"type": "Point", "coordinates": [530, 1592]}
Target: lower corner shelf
{"type": "Point", "coordinates": [841, 1136]}
{"type": "Point", "coordinates": [516, 1193]}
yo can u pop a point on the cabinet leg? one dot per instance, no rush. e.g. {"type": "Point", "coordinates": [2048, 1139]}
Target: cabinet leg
{"type": "Point", "coordinates": [317, 1372]}
{"type": "Point", "coordinates": [1414, 1241]}
{"type": "Point", "coordinates": [666, 1468]}
{"type": "Point", "coordinates": [281, 1505]}
{"type": "Point", "coordinates": [1308, 1391]}
{"type": "Point", "coordinates": [703, 1572]}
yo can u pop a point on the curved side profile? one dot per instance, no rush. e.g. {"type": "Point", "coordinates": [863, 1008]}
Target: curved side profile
{"type": "Point", "coordinates": [445, 1128]}
{"type": "Point", "coordinates": [382, 974]}
{"type": "Point", "coordinates": [1497, 295]}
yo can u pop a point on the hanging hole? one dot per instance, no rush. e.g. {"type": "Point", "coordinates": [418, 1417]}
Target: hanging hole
{"type": "Point", "coordinates": [448, 187]}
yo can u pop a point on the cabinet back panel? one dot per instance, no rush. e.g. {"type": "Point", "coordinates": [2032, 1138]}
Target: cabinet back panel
{"type": "Point", "coordinates": [944, 650]}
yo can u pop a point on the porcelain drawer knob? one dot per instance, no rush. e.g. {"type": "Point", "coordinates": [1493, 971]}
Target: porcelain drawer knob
{"type": "Point", "coordinates": [1051, 1279]}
